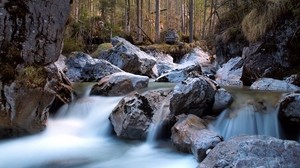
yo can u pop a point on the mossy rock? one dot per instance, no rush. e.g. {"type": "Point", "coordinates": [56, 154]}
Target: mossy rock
{"type": "Point", "coordinates": [32, 76]}
{"type": "Point", "coordinates": [102, 48]}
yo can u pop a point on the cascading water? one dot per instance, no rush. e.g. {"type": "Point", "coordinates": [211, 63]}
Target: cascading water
{"type": "Point", "coordinates": [79, 137]}
{"type": "Point", "coordinates": [252, 113]}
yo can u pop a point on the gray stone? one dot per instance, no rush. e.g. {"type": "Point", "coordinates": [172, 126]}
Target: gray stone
{"type": "Point", "coordinates": [223, 100]}
{"type": "Point", "coordinates": [190, 134]}
{"type": "Point", "coordinates": [119, 83]}
{"type": "Point", "coordinates": [129, 57]}
{"type": "Point", "coordinates": [134, 114]}
{"type": "Point", "coordinates": [273, 85]}
{"type": "Point", "coordinates": [193, 96]}
{"type": "Point", "coordinates": [253, 151]}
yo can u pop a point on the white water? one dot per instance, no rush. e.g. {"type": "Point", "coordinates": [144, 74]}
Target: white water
{"type": "Point", "coordinates": [252, 113]}
{"type": "Point", "coordinates": [80, 137]}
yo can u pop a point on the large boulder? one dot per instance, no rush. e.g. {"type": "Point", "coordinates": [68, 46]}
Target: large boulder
{"type": "Point", "coordinates": [276, 55]}
{"type": "Point", "coordinates": [31, 36]}
{"type": "Point", "coordinates": [180, 73]}
{"type": "Point", "coordinates": [82, 67]}
{"type": "Point", "coordinates": [223, 100]}
{"type": "Point", "coordinates": [193, 96]}
{"type": "Point", "coordinates": [289, 114]}
{"type": "Point", "coordinates": [190, 135]}
{"type": "Point", "coordinates": [273, 85]}
{"type": "Point", "coordinates": [129, 57]}
{"type": "Point", "coordinates": [134, 114]}
{"type": "Point", "coordinates": [164, 63]}
{"type": "Point", "coordinates": [253, 151]}
{"type": "Point", "coordinates": [204, 59]}
{"type": "Point", "coordinates": [119, 83]}
{"type": "Point", "coordinates": [231, 73]}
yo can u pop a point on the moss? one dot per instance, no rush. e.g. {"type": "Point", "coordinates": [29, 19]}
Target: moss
{"type": "Point", "coordinates": [32, 76]}
{"type": "Point", "coordinates": [263, 17]}
{"type": "Point", "coordinates": [101, 48]}
{"type": "Point", "coordinates": [71, 44]}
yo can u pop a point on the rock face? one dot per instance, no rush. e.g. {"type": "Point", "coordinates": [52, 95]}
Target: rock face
{"type": "Point", "coordinates": [82, 67]}
{"type": "Point", "coordinates": [164, 63]}
{"type": "Point", "coordinates": [129, 57]}
{"type": "Point", "coordinates": [118, 84]}
{"type": "Point", "coordinates": [31, 36]}
{"type": "Point", "coordinates": [275, 56]}
{"type": "Point", "coordinates": [231, 73]}
{"type": "Point", "coordinates": [273, 85]}
{"type": "Point", "coordinates": [294, 79]}
{"type": "Point", "coordinates": [289, 114]}
{"type": "Point", "coordinates": [190, 135]}
{"type": "Point", "coordinates": [253, 151]}
{"type": "Point", "coordinates": [133, 115]}
{"type": "Point", "coordinates": [193, 96]}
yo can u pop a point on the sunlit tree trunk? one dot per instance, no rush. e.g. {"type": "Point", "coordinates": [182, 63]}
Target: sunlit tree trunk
{"type": "Point", "coordinates": [204, 19]}
{"type": "Point", "coordinates": [191, 20]}
{"type": "Point", "coordinates": [157, 21]}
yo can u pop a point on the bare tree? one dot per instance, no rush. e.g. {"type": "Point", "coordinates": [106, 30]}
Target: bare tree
{"type": "Point", "coordinates": [191, 20]}
{"type": "Point", "coordinates": [157, 21]}
{"type": "Point", "coordinates": [204, 19]}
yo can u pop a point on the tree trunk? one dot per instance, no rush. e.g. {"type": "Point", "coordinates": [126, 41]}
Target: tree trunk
{"type": "Point", "coordinates": [204, 20]}
{"type": "Point", "coordinates": [191, 20]}
{"type": "Point", "coordinates": [157, 21]}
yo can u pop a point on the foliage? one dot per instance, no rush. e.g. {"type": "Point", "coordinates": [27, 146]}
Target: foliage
{"type": "Point", "coordinates": [71, 44]}
{"type": "Point", "coordinates": [32, 76]}
{"type": "Point", "coordinates": [263, 17]}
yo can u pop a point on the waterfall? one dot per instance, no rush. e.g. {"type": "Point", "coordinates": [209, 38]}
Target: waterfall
{"type": "Point", "coordinates": [252, 113]}
{"type": "Point", "coordinates": [80, 137]}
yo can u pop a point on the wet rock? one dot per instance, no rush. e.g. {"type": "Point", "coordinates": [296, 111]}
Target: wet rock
{"type": "Point", "coordinates": [25, 113]}
{"type": "Point", "coordinates": [190, 135]}
{"type": "Point", "coordinates": [193, 96]}
{"type": "Point", "coordinates": [273, 85]}
{"type": "Point", "coordinates": [231, 73]}
{"type": "Point", "coordinates": [198, 56]}
{"type": "Point", "coordinates": [289, 114]}
{"type": "Point", "coordinates": [129, 57]}
{"type": "Point", "coordinates": [223, 100]}
{"type": "Point", "coordinates": [253, 151]}
{"type": "Point", "coordinates": [119, 83]}
{"type": "Point", "coordinates": [134, 114]}
{"type": "Point", "coordinates": [180, 73]}
{"type": "Point", "coordinates": [294, 79]}
{"type": "Point", "coordinates": [31, 36]}
{"type": "Point", "coordinates": [83, 68]}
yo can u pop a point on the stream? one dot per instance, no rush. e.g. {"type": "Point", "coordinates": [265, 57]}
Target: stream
{"type": "Point", "coordinates": [80, 135]}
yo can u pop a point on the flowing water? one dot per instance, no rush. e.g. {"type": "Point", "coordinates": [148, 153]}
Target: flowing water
{"type": "Point", "coordinates": [252, 113]}
{"type": "Point", "coordinates": [80, 137]}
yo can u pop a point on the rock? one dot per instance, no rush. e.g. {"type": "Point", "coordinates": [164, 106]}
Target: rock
{"type": "Point", "coordinates": [28, 114]}
{"type": "Point", "coordinates": [83, 68]}
{"type": "Point", "coordinates": [129, 57]}
{"type": "Point", "coordinates": [180, 73]}
{"type": "Point", "coordinates": [198, 56]}
{"type": "Point", "coordinates": [273, 85]}
{"type": "Point", "coordinates": [119, 83]}
{"type": "Point", "coordinates": [253, 151]}
{"type": "Point", "coordinates": [133, 115]}
{"type": "Point", "coordinates": [223, 100]}
{"type": "Point", "coordinates": [289, 114]}
{"type": "Point", "coordinates": [171, 36]}
{"type": "Point", "coordinates": [60, 84]}
{"type": "Point", "coordinates": [230, 74]}
{"type": "Point", "coordinates": [190, 135]}
{"type": "Point", "coordinates": [275, 55]}
{"type": "Point", "coordinates": [31, 36]}
{"type": "Point", "coordinates": [164, 62]}
{"type": "Point", "coordinates": [294, 79]}
{"type": "Point", "coordinates": [193, 96]}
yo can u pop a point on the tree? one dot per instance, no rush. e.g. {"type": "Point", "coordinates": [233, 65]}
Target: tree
{"type": "Point", "coordinates": [157, 21]}
{"type": "Point", "coordinates": [191, 20]}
